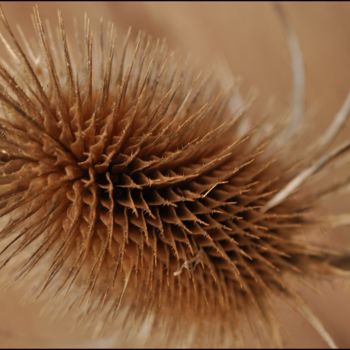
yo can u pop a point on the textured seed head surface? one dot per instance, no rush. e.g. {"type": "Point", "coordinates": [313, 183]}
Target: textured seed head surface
{"type": "Point", "coordinates": [129, 185]}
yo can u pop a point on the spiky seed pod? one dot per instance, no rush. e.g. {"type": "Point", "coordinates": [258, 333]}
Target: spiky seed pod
{"type": "Point", "coordinates": [128, 184]}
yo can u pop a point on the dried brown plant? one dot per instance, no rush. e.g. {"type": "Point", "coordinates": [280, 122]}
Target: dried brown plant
{"type": "Point", "coordinates": [132, 191]}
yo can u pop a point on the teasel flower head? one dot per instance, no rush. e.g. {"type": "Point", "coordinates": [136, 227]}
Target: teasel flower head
{"type": "Point", "coordinates": [133, 194]}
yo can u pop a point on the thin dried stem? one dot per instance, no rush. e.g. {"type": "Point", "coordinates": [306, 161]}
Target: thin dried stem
{"type": "Point", "coordinates": [297, 181]}
{"type": "Point", "coordinates": [337, 220]}
{"type": "Point", "coordinates": [297, 65]}
{"type": "Point", "coordinates": [305, 311]}
{"type": "Point", "coordinates": [336, 126]}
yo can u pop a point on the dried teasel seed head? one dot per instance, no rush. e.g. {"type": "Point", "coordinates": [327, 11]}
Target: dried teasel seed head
{"type": "Point", "coordinates": [129, 186]}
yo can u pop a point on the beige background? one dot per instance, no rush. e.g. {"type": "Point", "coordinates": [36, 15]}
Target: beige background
{"type": "Point", "coordinates": [250, 36]}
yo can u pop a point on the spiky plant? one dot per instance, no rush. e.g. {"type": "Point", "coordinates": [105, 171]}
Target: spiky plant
{"type": "Point", "coordinates": [131, 188]}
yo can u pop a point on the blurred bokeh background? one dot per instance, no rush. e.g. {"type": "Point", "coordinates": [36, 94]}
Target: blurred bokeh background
{"type": "Point", "coordinates": [250, 37]}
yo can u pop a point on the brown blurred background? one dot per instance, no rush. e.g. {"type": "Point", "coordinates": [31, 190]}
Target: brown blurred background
{"type": "Point", "coordinates": [250, 37]}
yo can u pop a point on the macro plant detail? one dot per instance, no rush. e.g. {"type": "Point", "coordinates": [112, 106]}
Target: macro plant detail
{"type": "Point", "coordinates": [130, 189]}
